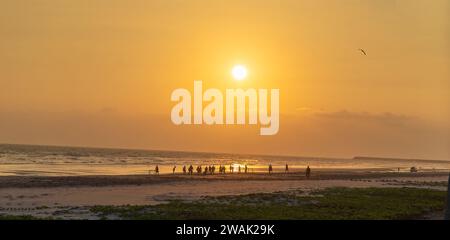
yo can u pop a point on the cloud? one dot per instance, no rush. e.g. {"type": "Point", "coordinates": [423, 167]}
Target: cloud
{"type": "Point", "coordinates": [384, 118]}
{"type": "Point", "coordinates": [303, 109]}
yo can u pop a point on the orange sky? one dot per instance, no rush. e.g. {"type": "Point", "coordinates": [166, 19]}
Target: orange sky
{"type": "Point", "coordinates": [100, 73]}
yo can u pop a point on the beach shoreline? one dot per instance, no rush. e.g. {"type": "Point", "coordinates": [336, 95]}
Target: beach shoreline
{"type": "Point", "coordinates": [151, 179]}
{"type": "Point", "coordinates": [44, 196]}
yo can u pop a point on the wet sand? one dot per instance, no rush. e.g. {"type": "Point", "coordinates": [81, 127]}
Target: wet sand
{"type": "Point", "coordinates": [152, 179]}
{"type": "Point", "coordinates": [45, 196]}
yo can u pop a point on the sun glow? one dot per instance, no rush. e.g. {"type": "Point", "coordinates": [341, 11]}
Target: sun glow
{"type": "Point", "coordinates": [239, 72]}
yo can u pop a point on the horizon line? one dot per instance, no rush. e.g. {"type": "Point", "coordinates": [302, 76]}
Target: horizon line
{"type": "Point", "coordinates": [229, 153]}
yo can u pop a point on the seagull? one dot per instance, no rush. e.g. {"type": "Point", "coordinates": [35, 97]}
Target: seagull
{"type": "Point", "coordinates": [362, 50]}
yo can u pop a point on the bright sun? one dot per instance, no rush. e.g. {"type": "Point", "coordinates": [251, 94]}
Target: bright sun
{"type": "Point", "coordinates": [239, 72]}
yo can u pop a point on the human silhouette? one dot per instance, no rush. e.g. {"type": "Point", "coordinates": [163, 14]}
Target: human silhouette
{"type": "Point", "coordinates": [184, 169]}
{"type": "Point", "coordinates": [286, 169]}
{"type": "Point", "coordinates": [173, 169]}
{"type": "Point", "coordinates": [270, 168]}
{"type": "Point", "coordinates": [308, 172]}
{"type": "Point", "coordinates": [157, 169]}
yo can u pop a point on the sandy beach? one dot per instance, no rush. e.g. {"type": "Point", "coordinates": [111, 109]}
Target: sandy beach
{"type": "Point", "coordinates": [69, 197]}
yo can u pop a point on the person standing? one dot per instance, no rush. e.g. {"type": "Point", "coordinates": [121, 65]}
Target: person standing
{"type": "Point", "coordinates": [157, 170]}
{"type": "Point", "coordinates": [173, 169]}
{"type": "Point", "coordinates": [270, 168]}
{"type": "Point", "coordinates": [308, 172]}
{"type": "Point", "coordinates": [286, 169]}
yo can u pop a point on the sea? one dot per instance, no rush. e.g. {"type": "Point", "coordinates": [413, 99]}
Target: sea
{"type": "Point", "coordinates": [33, 160]}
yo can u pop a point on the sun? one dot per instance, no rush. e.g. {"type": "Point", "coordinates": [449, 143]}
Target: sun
{"type": "Point", "coordinates": [239, 72]}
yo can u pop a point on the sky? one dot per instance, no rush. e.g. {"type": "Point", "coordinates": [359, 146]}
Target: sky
{"type": "Point", "coordinates": [100, 73]}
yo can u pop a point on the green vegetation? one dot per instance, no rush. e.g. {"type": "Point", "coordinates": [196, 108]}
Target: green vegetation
{"type": "Point", "coordinates": [332, 203]}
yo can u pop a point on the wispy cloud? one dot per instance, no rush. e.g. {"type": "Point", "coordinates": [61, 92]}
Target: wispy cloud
{"type": "Point", "coordinates": [386, 117]}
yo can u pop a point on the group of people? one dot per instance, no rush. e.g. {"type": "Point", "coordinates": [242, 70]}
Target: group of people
{"type": "Point", "coordinates": [222, 169]}
{"type": "Point", "coordinates": [211, 169]}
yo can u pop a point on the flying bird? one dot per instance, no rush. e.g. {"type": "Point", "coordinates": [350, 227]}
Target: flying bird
{"type": "Point", "coordinates": [362, 50]}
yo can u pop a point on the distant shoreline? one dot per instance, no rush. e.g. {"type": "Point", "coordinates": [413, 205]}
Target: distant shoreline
{"type": "Point", "coordinates": [398, 159]}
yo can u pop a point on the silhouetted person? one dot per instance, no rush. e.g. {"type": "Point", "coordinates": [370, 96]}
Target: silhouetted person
{"type": "Point", "coordinates": [246, 168]}
{"type": "Point", "coordinates": [173, 169]}
{"type": "Point", "coordinates": [308, 172]}
{"type": "Point", "coordinates": [157, 169]}
{"type": "Point", "coordinates": [239, 169]}
{"type": "Point", "coordinates": [206, 170]}
{"type": "Point", "coordinates": [270, 168]}
{"type": "Point", "coordinates": [184, 169]}
{"type": "Point", "coordinates": [191, 169]}
{"type": "Point", "coordinates": [286, 168]}
{"type": "Point", "coordinates": [213, 169]}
